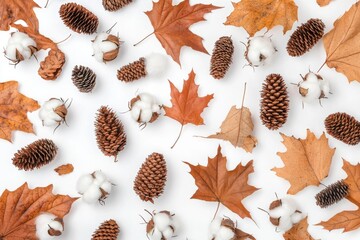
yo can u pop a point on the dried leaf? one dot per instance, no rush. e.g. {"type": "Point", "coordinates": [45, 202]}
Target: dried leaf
{"type": "Point", "coordinates": [187, 106]}
{"type": "Point", "coordinates": [64, 169]}
{"type": "Point", "coordinates": [353, 180]}
{"type": "Point", "coordinates": [323, 3]}
{"type": "Point", "coordinates": [216, 184]}
{"type": "Point", "coordinates": [313, 156]}
{"type": "Point", "coordinates": [13, 110]}
{"type": "Point", "coordinates": [171, 25]}
{"type": "Point", "coordinates": [342, 44]}
{"type": "Point", "coordinates": [254, 15]}
{"type": "Point", "coordinates": [240, 235]}
{"type": "Point", "coordinates": [20, 208]}
{"type": "Point", "coordinates": [299, 231]}
{"type": "Point", "coordinates": [237, 129]}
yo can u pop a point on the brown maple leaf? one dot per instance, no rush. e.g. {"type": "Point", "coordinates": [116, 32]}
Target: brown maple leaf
{"type": "Point", "coordinates": [323, 3]}
{"type": "Point", "coordinates": [299, 231]}
{"type": "Point", "coordinates": [171, 25]}
{"type": "Point", "coordinates": [254, 15]}
{"type": "Point", "coordinates": [312, 155]}
{"type": "Point", "coordinates": [342, 44]}
{"type": "Point", "coordinates": [64, 169]}
{"type": "Point", "coordinates": [216, 184]}
{"type": "Point", "coordinates": [187, 106]}
{"type": "Point", "coordinates": [20, 208]}
{"type": "Point", "coordinates": [13, 110]}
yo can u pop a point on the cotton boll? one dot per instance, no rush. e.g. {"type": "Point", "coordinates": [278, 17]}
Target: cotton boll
{"type": "Point", "coordinates": [99, 56]}
{"type": "Point", "coordinates": [279, 212]}
{"type": "Point", "coordinates": [83, 183]}
{"type": "Point", "coordinates": [155, 235]}
{"type": "Point", "coordinates": [144, 108]}
{"type": "Point", "coordinates": [100, 178]}
{"type": "Point", "coordinates": [325, 87]}
{"type": "Point", "coordinates": [285, 224]}
{"type": "Point", "coordinates": [142, 104]}
{"type": "Point", "coordinates": [296, 217]}
{"type": "Point", "coordinates": [311, 78]}
{"type": "Point", "coordinates": [42, 227]}
{"type": "Point", "coordinates": [107, 187]}
{"type": "Point", "coordinates": [309, 91]}
{"type": "Point", "coordinates": [146, 115]}
{"type": "Point", "coordinates": [168, 233]}
{"type": "Point", "coordinates": [20, 46]}
{"type": "Point", "coordinates": [162, 221]}
{"type": "Point", "coordinates": [259, 50]}
{"type": "Point", "coordinates": [253, 57]}
{"type": "Point", "coordinates": [146, 97]}
{"type": "Point", "coordinates": [225, 234]}
{"type": "Point", "coordinates": [53, 112]}
{"type": "Point", "coordinates": [52, 104]}
{"type": "Point", "coordinates": [92, 194]}
{"type": "Point", "coordinates": [155, 108]}
{"type": "Point", "coordinates": [135, 112]}
{"type": "Point", "coordinates": [106, 47]}
{"type": "Point", "coordinates": [155, 64]}
{"type": "Point", "coordinates": [215, 225]}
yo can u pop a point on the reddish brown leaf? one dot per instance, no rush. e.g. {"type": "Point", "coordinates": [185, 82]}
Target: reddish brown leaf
{"type": "Point", "coordinates": [323, 3]}
{"type": "Point", "coordinates": [216, 184]}
{"type": "Point", "coordinates": [64, 169]}
{"type": "Point", "coordinates": [353, 180]}
{"type": "Point", "coordinates": [299, 231]}
{"type": "Point", "coordinates": [20, 208]}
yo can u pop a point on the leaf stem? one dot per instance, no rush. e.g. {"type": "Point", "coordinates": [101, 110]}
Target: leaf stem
{"type": "Point", "coordinates": [177, 139]}
{"type": "Point", "coordinates": [244, 93]}
{"type": "Point", "coordinates": [217, 209]}
{"type": "Point", "coordinates": [321, 66]}
{"type": "Point", "coordinates": [143, 39]}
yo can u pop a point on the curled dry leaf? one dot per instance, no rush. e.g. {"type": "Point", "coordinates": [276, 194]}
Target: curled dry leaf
{"type": "Point", "coordinates": [299, 231]}
{"type": "Point", "coordinates": [312, 155]}
{"type": "Point", "coordinates": [64, 169]}
{"type": "Point", "coordinates": [20, 208]}
{"type": "Point", "coordinates": [323, 3]}
{"type": "Point", "coordinates": [254, 15]}
{"type": "Point", "coordinates": [13, 110]}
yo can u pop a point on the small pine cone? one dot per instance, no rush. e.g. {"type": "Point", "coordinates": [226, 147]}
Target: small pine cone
{"type": "Point", "coordinates": [151, 178]}
{"type": "Point", "coordinates": [332, 194]}
{"type": "Point", "coordinates": [343, 127]}
{"type": "Point", "coordinates": [83, 78]}
{"type": "Point", "coordinates": [221, 57]}
{"type": "Point", "coordinates": [35, 155]}
{"type": "Point", "coordinates": [51, 66]}
{"type": "Point", "coordinates": [78, 18]}
{"type": "Point", "coordinates": [114, 5]}
{"type": "Point", "coordinates": [305, 37]}
{"type": "Point", "coordinates": [108, 230]}
{"type": "Point", "coordinates": [274, 102]}
{"type": "Point", "coordinates": [110, 134]}
{"type": "Point", "coordinates": [132, 71]}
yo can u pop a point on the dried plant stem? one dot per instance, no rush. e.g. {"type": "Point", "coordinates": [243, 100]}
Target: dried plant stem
{"type": "Point", "coordinates": [322, 66]}
{"type": "Point", "coordinates": [217, 210]}
{"type": "Point", "coordinates": [242, 105]}
{"type": "Point", "coordinates": [177, 139]}
{"type": "Point", "coordinates": [143, 39]}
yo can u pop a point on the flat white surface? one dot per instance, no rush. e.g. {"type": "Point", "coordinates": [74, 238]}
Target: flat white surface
{"type": "Point", "coordinates": [77, 143]}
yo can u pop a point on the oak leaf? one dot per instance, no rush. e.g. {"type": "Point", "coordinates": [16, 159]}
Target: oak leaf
{"type": "Point", "coordinates": [299, 231]}
{"type": "Point", "coordinates": [20, 208]}
{"type": "Point", "coordinates": [171, 25]}
{"type": "Point", "coordinates": [254, 15]}
{"type": "Point", "coordinates": [216, 184]}
{"type": "Point", "coordinates": [342, 44]}
{"type": "Point", "coordinates": [64, 169]}
{"type": "Point", "coordinates": [13, 110]}
{"type": "Point", "coordinates": [187, 106]}
{"type": "Point", "coordinates": [312, 155]}
{"type": "Point", "coordinates": [323, 3]}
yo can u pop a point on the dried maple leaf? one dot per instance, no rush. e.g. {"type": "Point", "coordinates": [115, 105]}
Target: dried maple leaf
{"type": "Point", "coordinates": [187, 106]}
{"type": "Point", "coordinates": [216, 184]}
{"type": "Point", "coordinates": [171, 25]}
{"type": "Point", "coordinates": [312, 155]}
{"type": "Point", "coordinates": [64, 169]}
{"type": "Point", "coordinates": [323, 3]}
{"type": "Point", "coordinates": [242, 235]}
{"type": "Point", "coordinates": [254, 15]}
{"type": "Point", "coordinates": [13, 110]}
{"type": "Point", "coordinates": [299, 231]}
{"type": "Point", "coordinates": [20, 208]}
{"type": "Point", "coordinates": [342, 44]}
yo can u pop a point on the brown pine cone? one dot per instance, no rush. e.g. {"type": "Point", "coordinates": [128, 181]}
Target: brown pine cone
{"type": "Point", "coordinates": [78, 18]}
{"type": "Point", "coordinates": [332, 194]}
{"type": "Point", "coordinates": [274, 102]}
{"type": "Point", "coordinates": [114, 5]}
{"type": "Point", "coordinates": [305, 37]}
{"type": "Point", "coordinates": [108, 230]}
{"type": "Point", "coordinates": [35, 155]}
{"type": "Point", "coordinates": [132, 71]}
{"type": "Point", "coordinates": [343, 127]}
{"type": "Point", "coordinates": [151, 178]}
{"type": "Point", "coordinates": [52, 65]}
{"type": "Point", "coordinates": [83, 78]}
{"type": "Point", "coordinates": [110, 133]}
{"type": "Point", "coordinates": [221, 57]}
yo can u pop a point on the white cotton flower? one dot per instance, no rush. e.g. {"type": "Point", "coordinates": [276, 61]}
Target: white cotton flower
{"type": "Point", "coordinates": [106, 186]}
{"type": "Point", "coordinates": [53, 112]}
{"type": "Point", "coordinates": [105, 47]}
{"type": "Point", "coordinates": [162, 221]}
{"type": "Point", "coordinates": [215, 226]}
{"type": "Point", "coordinates": [168, 233]}
{"type": "Point", "coordinates": [313, 87]}
{"type": "Point", "coordinates": [259, 50]}
{"type": "Point", "coordinates": [144, 108]}
{"type": "Point", "coordinates": [296, 217]}
{"type": "Point", "coordinates": [20, 46]}
{"type": "Point", "coordinates": [84, 182]}
{"type": "Point", "coordinates": [155, 235]}
{"type": "Point", "coordinates": [155, 64]}
{"type": "Point", "coordinates": [225, 234]}
{"type": "Point", "coordinates": [162, 226]}
{"type": "Point", "coordinates": [100, 178]}
{"type": "Point", "coordinates": [92, 194]}
{"type": "Point", "coordinates": [285, 224]}
{"type": "Point", "coordinates": [48, 226]}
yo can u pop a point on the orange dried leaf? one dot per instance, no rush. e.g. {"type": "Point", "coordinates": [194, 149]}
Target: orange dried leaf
{"type": "Point", "coordinates": [312, 155]}
{"type": "Point", "coordinates": [299, 231]}
{"type": "Point", "coordinates": [323, 3]}
{"type": "Point", "coordinates": [20, 208]}
{"type": "Point", "coordinates": [13, 110]}
{"type": "Point", "coordinates": [353, 181]}
{"type": "Point", "coordinates": [216, 184]}
{"type": "Point", "coordinates": [64, 169]}
{"type": "Point", "coordinates": [254, 15]}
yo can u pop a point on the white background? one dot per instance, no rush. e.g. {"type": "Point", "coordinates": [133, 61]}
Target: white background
{"type": "Point", "coordinates": [77, 143]}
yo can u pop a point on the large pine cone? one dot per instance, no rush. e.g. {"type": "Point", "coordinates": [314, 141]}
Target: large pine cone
{"type": "Point", "coordinates": [78, 18]}
{"type": "Point", "coordinates": [51, 66]}
{"type": "Point", "coordinates": [332, 194]}
{"type": "Point", "coordinates": [305, 37]}
{"type": "Point", "coordinates": [83, 78]}
{"type": "Point", "coordinates": [221, 58]}
{"type": "Point", "coordinates": [343, 127]}
{"type": "Point", "coordinates": [132, 71]}
{"type": "Point", "coordinates": [108, 230]}
{"type": "Point", "coordinates": [35, 155]}
{"type": "Point", "coordinates": [151, 178]}
{"type": "Point", "coordinates": [110, 133]}
{"type": "Point", "coordinates": [274, 102]}
{"type": "Point", "coordinates": [114, 5]}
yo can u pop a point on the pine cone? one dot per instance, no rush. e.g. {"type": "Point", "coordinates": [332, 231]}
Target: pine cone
{"type": "Point", "coordinates": [114, 5]}
{"type": "Point", "coordinates": [78, 18]}
{"type": "Point", "coordinates": [221, 58]}
{"type": "Point", "coordinates": [332, 194]}
{"type": "Point", "coordinates": [151, 178]}
{"type": "Point", "coordinates": [274, 102]}
{"type": "Point", "coordinates": [343, 127]}
{"type": "Point", "coordinates": [51, 66]}
{"type": "Point", "coordinates": [110, 134]}
{"type": "Point", "coordinates": [108, 230]}
{"type": "Point", "coordinates": [132, 71]}
{"type": "Point", "coordinates": [35, 155]}
{"type": "Point", "coordinates": [83, 78]}
{"type": "Point", "coordinates": [305, 37]}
